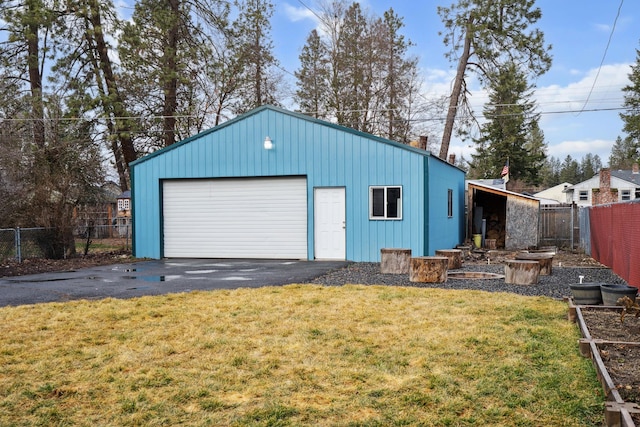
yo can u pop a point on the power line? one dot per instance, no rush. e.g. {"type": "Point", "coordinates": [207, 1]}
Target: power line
{"type": "Point", "coordinates": [604, 55]}
{"type": "Point", "coordinates": [61, 119]}
{"type": "Point", "coordinates": [310, 10]}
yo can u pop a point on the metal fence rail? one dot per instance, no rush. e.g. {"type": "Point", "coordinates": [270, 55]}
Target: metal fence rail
{"type": "Point", "coordinates": [22, 243]}
{"type": "Point", "coordinates": [585, 231]}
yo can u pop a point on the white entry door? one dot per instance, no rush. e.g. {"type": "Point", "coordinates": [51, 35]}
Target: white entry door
{"type": "Point", "coordinates": [330, 223]}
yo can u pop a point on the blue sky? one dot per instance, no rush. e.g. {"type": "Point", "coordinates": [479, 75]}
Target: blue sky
{"type": "Point", "coordinates": [578, 31]}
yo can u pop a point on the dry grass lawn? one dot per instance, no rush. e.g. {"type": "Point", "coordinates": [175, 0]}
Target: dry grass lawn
{"type": "Point", "coordinates": [297, 355]}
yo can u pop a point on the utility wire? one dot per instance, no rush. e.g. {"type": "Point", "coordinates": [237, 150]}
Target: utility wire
{"type": "Point", "coordinates": [604, 55]}
{"type": "Point", "coordinates": [71, 119]}
{"type": "Point", "coordinates": [310, 10]}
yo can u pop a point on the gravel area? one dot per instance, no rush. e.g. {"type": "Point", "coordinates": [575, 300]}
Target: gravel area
{"type": "Point", "coordinates": [554, 286]}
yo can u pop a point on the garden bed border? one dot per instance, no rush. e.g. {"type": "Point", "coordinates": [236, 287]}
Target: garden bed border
{"type": "Point", "coordinates": [617, 412]}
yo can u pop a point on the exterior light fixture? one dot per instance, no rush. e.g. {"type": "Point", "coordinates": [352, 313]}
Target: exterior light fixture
{"type": "Point", "coordinates": [268, 145]}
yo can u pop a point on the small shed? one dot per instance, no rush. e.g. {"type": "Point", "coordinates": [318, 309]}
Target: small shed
{"type": "Point", "coordinates": [507, 217]}
{"type": "Point", "coordinates": [281, 185]}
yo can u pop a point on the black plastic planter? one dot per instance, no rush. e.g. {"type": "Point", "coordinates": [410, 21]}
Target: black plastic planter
{"type": "Point", "coordinates": [612, 292]}
{"type": "Point", "coordinates": [586, 293]}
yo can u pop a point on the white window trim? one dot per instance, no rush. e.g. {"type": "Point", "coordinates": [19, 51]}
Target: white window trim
{"type": "Point", "coordinates": [624, 193]}
{"type": "Point", "coordinates": [586, 194]}
{"type": "Point", "coordinates": [385, 217]}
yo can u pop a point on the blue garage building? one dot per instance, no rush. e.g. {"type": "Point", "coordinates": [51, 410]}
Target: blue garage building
{"type": "Point", "coordinates": [276, 184]}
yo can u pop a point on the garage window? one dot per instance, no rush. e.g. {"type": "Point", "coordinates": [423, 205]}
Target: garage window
{"type": "Point", "coordinates": [385, 202]}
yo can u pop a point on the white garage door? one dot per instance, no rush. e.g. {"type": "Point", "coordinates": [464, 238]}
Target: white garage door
{"type": "Point", "coordinates": [235, 218]}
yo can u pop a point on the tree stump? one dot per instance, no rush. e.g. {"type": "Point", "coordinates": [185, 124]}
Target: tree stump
{"type": "Point", "coordinates": [395, 261]}
{"type": "Point", "coordinates": [521, 272]}
{"type": "Point", "coordinates": [454, 256]}
{"type": "Point", "coordinates": [429, 269]}
{"type": "Point", "coordinates": [544, 258]}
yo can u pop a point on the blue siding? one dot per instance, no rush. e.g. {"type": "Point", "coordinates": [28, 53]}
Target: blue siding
{"type": "Point", "coordinates": [328, 155]}
{"type": "Point", "coordinates": [444, 232]}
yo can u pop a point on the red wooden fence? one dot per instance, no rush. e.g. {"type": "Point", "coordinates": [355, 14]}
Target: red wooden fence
{"type": "Point", "coordinates": [615, 239]}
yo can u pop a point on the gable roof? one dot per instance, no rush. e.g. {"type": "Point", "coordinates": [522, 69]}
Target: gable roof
{"type": "Point", "coordinates": [299, 116]}
{"type": "Point", "coordinates": [627, 175]}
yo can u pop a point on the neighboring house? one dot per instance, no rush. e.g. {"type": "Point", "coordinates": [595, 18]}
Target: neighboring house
{"type": "Point", "coordinates": [276, 184]}
{"type": "Point", "coordinates": [511, 219]}
{"type": "Point", "coordinates": [123, 216]}
{"type": "Point", "coordinates": [606, 187]}
{"type": "Point", "coordinates": [555, 195]}
{"type": "Point", "coordinates": [100, 215]}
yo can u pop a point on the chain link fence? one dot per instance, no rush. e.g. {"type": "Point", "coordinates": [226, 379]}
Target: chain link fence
{"type": "Point", "coordinates": [22, 243]}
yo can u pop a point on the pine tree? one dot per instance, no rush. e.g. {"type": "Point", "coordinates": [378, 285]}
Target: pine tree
{"type": "Point", "coordinates": [570, 171]}
{"type": "Point", "coordinates": [550, 172]}
{"type": "Point", "coordinates": [481, 34]}
{"type": "Point", "coordinates": [511, 131]}
{"type": "Point", "coordinates": [313, 78]}
{"type": "Point", "coordinates": [351, 77]}
{"type": "Point", "coordinates": [52, 160]}
{"type": "Point", "coordinates": [171, 40]}
{"type": "Point", "coordinates": [623, 153]}
{"type": "Point", "coordinates": [372, 83]}
{"type": "Point", "coordinates": [397, 71]}
{"type": "Point", "coordinates": [631, 117]}
{"type": "Point", "coordinates": [260, 83]}
{"type": "Point", "coordinates": [588, 166]}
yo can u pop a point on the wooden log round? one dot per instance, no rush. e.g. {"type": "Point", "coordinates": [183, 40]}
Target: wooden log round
{"type": "Point", "coordinates": [454, 256]}
{"type": "Point", "coordinates": [521, 272]}
{"type": "Point", "coordinates": [429, 269]}
{"type": "Point", "coordinates": [394, 261]}
{"type": "Point", "coordinates": [491, 244]}
{"type": "Point", "coordinates": [544, 258]}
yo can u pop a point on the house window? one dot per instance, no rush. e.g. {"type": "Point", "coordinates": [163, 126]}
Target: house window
{"type": "Point", "coordinates": [123, 204]}
{"type": "Point", "coordinates": [625, 195]}
{"type": "Point", "coordinates": [450, 203]}
{"type": "Point", "coordinates": [637, 193]}
{"type": "Point", "coordinates": [584, 195]}
{"type": "Point", "coordinates": [385, 202]}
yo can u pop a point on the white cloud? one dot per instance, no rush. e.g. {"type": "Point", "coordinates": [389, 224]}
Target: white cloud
{"type": "Point", "coordinates": [575, 127]}
{"type": "Point", "coordinates": [577, 149]}
{"type": "Point", "coordinates": [296, 14]}
{"type": "Point", "coordinates": [567, 130]}
{"type": "Point", "coordinates": [601, 88]}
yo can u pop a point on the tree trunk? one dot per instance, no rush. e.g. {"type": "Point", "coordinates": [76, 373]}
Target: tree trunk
{"type": "Point", "coordinates": [171, 76]}
{"type": "Point", "coordinates": [35, 83]}
{"type": "Point", "coordinates": [454, 101]}
{"type": "Point", "coordinates": [116, 103]}
{"type": "Point", "coordinates": [115, 148]}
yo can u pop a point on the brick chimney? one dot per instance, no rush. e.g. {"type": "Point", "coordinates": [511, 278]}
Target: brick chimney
{"type": "Point", "coordinates": [423, 143]}
{"type": "Point", "coordinates": [604, 195]}
{"type": "Point", "coordinates": [452, 158]}
{"type": "Point", "coordinates": [605, 179]}
{"type": "Point", "coordinates": [635, 169]}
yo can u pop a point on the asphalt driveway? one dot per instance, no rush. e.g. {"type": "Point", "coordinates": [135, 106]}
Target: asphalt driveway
{"type": "Point", "coordinates": [158, 277]}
